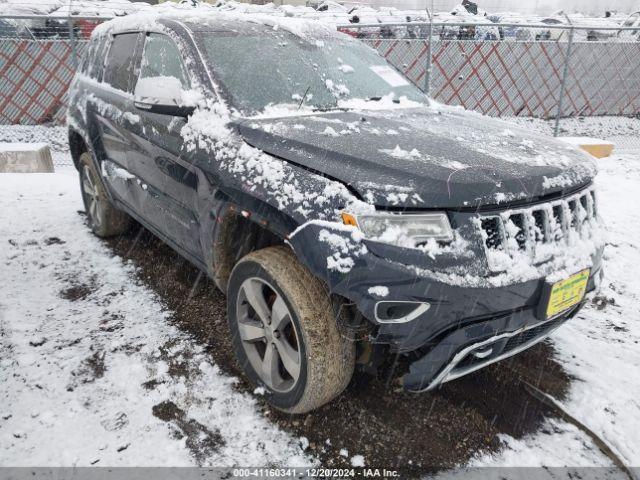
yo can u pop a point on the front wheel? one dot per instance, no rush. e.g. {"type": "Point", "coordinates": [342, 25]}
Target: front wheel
{"type": "Point", "coordinates": [284, 332]}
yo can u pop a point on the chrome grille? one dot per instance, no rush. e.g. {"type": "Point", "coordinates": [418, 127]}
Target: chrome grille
{"type": "Point", "coordinates": [534, 230]}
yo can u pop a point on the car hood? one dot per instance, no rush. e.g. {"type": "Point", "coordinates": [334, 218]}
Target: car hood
{"type": "Point", "coordinates": [425, 157]}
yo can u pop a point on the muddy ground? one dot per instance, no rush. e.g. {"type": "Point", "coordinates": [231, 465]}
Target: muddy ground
{"type": "Point", "coordinates": [415, 433]}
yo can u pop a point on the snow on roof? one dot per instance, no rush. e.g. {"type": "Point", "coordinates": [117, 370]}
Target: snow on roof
{"type": "Point", "coordinates": [204, 16]}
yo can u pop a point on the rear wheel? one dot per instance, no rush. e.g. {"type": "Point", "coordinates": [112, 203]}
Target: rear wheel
{"type": "Point", "coordinates": [104, 219]}
{"type": "Point", "coordinates": [284, 332]}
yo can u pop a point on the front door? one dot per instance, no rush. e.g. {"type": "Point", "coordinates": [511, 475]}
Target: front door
{"type": "Point", "coordinates": [157, 156]}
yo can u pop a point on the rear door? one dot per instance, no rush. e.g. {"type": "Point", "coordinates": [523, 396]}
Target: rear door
{"type": "Point", "coordinates": [156, 154]}
{"type": "Point", "coordinates": [111, 106]}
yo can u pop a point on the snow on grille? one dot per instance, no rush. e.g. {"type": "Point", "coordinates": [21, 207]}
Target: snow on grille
{"type": "Point", "coordinates": [536, 231]}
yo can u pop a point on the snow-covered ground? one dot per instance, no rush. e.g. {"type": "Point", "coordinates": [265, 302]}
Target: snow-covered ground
{"type": "Point", "coordinates": [82, 341]}
{"type": "Point", "coordinates": [85, 354]}
{"type": "Point", "coordinates": [601, 346]}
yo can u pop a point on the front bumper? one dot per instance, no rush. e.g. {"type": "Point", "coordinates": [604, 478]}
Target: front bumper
{"type": "Point", "coordinates": [461, 320]}
{"type": "Point", "coordinates": [474, 347]}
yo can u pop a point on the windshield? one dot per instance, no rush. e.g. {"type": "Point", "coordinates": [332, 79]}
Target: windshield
{"type": "Point", "coordinates": [281, 69]}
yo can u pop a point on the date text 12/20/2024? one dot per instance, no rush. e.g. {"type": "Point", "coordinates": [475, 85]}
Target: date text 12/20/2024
{"type": "Point", "coordinates": [314, 473]}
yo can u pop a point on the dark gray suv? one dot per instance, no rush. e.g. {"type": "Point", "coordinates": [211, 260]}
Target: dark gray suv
{"type": "Point", "coordinates": [345, 215]}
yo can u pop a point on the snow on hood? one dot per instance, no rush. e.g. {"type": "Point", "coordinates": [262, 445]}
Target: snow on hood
{"type": "Point", "coordinates": [303, 194]}
{"type": "Point", "coordinates": [424, 157]}
{"type": "Point", "coordinates": [391, 155]}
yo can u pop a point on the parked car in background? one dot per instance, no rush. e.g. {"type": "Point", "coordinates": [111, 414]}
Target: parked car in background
{"type": "Point", "coordinates": [465, 27]}
{"type": "Point", "coordinates": [330, 6]}
{"type": "Point", "coordinates": [511, 31]}
{"type": "Point", "coordinates": [599, 29]}
{"type": "Point", "coordinates": [554, 34]}
{"type": "Point", "coordinates": [586, 28]}
{"type": "Point", "coordinates": [632, 20]}
{"type": "Point", "coordinates": [11, 29]}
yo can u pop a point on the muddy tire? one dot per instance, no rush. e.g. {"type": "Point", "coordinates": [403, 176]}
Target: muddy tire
{"type": "Point", "coordinates": [104, 219]}
{"type": "Point", "coordinates": [284, 332]}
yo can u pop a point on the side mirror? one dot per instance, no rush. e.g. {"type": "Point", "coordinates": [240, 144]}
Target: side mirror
{"type": "Point", "coordinates": [163, 95]}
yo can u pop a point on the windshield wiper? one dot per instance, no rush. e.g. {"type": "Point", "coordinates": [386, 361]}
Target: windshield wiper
{"type": "Point", "coordinates": [304, 96]}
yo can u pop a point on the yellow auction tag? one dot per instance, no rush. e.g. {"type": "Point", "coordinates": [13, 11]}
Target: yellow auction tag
{"type": "Point", "coordinates": [567, 293]}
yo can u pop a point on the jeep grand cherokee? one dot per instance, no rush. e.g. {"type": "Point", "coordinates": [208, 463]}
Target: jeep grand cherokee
{"type": "Point", "coordinates": [344, 214]}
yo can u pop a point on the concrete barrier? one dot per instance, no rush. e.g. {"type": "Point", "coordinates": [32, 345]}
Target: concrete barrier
{"type": "Point", "coordinates": [25, 158]}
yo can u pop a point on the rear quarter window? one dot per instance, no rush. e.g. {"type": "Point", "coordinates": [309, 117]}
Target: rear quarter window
{"type": "Point", "coordinates": [84, 62]}
{"type": "Point", "coordinates": [118, 70]}
{"type": "Point", "coordinates": [95, 61]}
{"type": "Point", "coordinates": [89, 55]}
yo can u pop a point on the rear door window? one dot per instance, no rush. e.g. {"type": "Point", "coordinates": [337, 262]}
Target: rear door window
{"type": "Point", "coordinates": [119, 66]}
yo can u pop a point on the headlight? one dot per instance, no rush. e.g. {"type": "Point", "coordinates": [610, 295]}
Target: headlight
{"type": "Point", "coordinates": [403, 230]}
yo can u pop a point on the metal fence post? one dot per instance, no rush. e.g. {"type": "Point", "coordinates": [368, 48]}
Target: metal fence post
{"type": "Point", "coordinates": [72, 39]}
{"type": "Point", "coordinates": [563, 85]}
{"type": "Point", "coordinates": [427, 77]}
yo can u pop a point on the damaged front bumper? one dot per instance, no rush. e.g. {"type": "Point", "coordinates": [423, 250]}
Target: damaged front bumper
{"type": "Point", "coordinates": [462, 329]}
{"type": "Point", "coordinates": [478, 345]}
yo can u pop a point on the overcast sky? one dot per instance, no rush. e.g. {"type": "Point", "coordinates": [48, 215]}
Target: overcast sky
{"type": "Point", "coordinates": [543, 7]}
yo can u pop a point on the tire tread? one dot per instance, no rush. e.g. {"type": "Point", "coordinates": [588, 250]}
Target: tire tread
{"type": "Point", "coordinates": [330, 356]}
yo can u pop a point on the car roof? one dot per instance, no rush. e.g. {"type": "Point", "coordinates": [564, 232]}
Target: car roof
{"type": "Point", "coordinates": [205, 20]}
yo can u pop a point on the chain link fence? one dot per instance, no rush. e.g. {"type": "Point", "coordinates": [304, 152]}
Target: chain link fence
{"type": "Point", "coordinates": [542, 71]}
{"type": "Point", "coordinates": [38, 59]}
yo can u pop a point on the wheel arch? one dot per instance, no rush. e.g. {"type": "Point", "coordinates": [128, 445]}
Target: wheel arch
{"type": "Point", "coordinates": [238, 231]}
{"type": "Point", "coordinates": [329, 356]}
{"type": "Point", "coordinates": [77, 146]}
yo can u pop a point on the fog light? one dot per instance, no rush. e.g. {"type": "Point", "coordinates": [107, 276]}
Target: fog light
{"type": "Point", "coordinates": [399, 312]}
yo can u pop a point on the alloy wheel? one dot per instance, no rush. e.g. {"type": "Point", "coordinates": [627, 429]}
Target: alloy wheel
{"type": "Point", "coordinates": [268, 334]}
{"type": "Point", "coordinates": [92, 196]}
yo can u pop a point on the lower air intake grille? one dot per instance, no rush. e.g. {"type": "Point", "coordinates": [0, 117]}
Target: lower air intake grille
{"type": "Point", "coordinates": [513, 343]}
